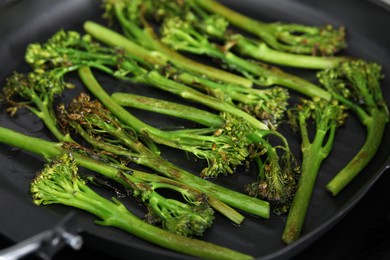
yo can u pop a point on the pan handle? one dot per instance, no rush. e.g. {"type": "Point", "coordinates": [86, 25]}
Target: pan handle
{"type": "Point", "coordinates": [46, 243]}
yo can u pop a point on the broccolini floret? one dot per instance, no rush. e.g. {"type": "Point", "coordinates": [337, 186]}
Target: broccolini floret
{"type": "Point", "coordinates": [356, 84]}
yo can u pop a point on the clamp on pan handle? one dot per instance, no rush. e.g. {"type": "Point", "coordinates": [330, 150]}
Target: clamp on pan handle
{"type": "Point", "coordinates": [47, 243]}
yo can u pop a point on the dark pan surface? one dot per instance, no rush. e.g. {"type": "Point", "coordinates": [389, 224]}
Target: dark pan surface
{"type": "Point", "coordinates": [23, 22]}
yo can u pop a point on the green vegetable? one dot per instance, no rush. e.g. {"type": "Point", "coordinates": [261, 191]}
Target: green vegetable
{"type": "Point", "coordinates": [217, 29]}
{"type": "Point", "coordinates": [142, 33]}
{"type": "Point", "coordinates": [150, 158]}
{"type": "Point", "coordinates": [294, 38]}
{"type": "Point", "coordinates": [70, 49]}
{"type": "Point", "coordinates": [268, 104]}
{"type": "Point", "coordinates": [174, 109]}
{"type": "Point", "coordinates": [265, 104]}
{"type": "Point", "coordinates": [103, 131]}
{"type": "Point", "coordinates": [356, 84]}
{"type": "Point", "coordinates": [223, 152]}
{"type": "Point", "coordinates": [327, 116]}
{"type": "Point", "coordinates": [275, 185]}
{"type": "Point", "coordinates": [278, 171]}
{"type": "Point", "coordinates": [181, 35]}
{"type": "Point", "coordinates": [167, 138]}
{"type": "Point", "coordinates": [36, 92]}
{"type": "Point", "coordinates": [60, 183]}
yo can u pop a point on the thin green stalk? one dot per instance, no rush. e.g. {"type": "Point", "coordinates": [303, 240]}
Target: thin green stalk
{"type": "Point", "coordinates": [327, 117]}
{"type": "Point", "coordinates": [168, 108]}
{"type": "Point", "coordinates": [275, 76]}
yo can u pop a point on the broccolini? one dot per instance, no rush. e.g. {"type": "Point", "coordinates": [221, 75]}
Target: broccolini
{"type": "Point", "coordinates": [60, 183]}
{"type": "Point", "coordinates": [356, 84]}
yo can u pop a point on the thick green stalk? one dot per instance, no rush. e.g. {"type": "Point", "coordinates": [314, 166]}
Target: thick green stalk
{"type": "Point", "coordinates": [234, 199]}
{"type": "Point", "coordinates": [375, 126]}
{"type": "Point", "coordinates": [168, 108]}
{"type": "Point", "coordinates": [261, 51]}
{"type": "Point", "coordinates": [161, 55]}
{"type": "Point", "coordinates": [313, 155]}
{"type": "Point", "coordinates": [47, 150]}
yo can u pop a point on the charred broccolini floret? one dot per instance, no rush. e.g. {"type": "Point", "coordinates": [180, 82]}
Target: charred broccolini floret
{"type": "Point", "coordinates": [60, 183]}
{"type": "Point", "coordinates": [356, 84]}
{"type": "Point", "coordinates": [327, 116]}
{"type": "Point", "coordinates": [277, 180]}
{"type": "Point", "coordinates": [36, 92]}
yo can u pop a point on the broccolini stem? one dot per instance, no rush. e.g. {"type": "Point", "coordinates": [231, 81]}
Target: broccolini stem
{"type": "Point", "coordinates": [260, 51]}
{"type": "Point", "coordinates": [190, 246]}
{"type": "Point", "coordinates": [313, 155]}
{"type": "Point", "coordinates": [46, 149]}
{"type": "Point", "coordinates": [168, 108]}
{"type": "Point", "coordinates": [296, 216]}
{"type": "Point", "coordinates": [234, 199]}
{"type": "Point", "coordinates": [375, 125]}
{"type": "Point", "coordinates": [160, 55]}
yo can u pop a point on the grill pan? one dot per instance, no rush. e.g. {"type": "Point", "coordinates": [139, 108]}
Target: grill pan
{"type": "Point", "coordinates": [24, 22]}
